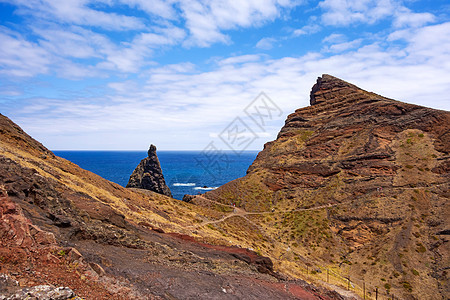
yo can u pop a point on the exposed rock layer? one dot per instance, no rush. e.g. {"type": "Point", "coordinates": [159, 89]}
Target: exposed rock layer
{"type": "Point", "coordinates": [148, 175]}
{"type": "Point", "coordinates": [361, 179]}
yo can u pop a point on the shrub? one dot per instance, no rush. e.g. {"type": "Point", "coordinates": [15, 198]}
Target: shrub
{"type": "Point", "coordinates": [407, 286]}
{"type": "Point", "coordinates": [421, 248]}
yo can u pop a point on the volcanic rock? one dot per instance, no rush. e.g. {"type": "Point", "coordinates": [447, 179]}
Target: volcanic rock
{"type": "Point", "coordinates": [148, 175]}
{"type": "Point", "coordinates": [355, 180]}
{"type": "Point", "coordinates": [11, 290]}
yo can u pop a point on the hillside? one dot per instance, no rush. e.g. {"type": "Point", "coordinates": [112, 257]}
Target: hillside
{"type": "Point", "coordinates": [355, 183]}
{"type": "Point", "coordinates": [61, 225]}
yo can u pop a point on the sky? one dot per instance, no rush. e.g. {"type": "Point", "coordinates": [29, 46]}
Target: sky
{"type": "Point", "coordinates": [212, 74]}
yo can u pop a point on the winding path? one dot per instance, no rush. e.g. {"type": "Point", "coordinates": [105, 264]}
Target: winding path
{"type": "Point", "coordinates": [239, 212]}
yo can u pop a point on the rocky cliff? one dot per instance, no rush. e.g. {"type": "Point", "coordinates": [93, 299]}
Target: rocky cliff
{"type": "Point", "coordinates": [148, 175]}
{"type": "Point", "coordinates": [62, 226]}
{"type": "Point", "coordinates": [355, 183]}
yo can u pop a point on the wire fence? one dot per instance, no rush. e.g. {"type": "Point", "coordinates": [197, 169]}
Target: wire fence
{"type": "Point", "coordinates": [360, 287]}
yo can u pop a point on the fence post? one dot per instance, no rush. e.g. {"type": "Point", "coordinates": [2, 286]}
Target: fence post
{"type": "Point", "coordinates": [328, 281]}
{"type": "Point", "coordinates": [364, 289]}
{"type": "Point", "coordinates": [307, 269]}
{"type": "Point", "coordinates": [376, 293]}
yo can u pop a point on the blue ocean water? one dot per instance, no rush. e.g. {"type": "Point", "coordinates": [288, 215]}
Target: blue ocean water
{"type": "Point", "coordinates": [185, 172]}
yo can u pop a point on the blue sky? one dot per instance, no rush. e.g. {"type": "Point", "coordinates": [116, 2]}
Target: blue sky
{"type": "Point", "coordinates": [121, 74]}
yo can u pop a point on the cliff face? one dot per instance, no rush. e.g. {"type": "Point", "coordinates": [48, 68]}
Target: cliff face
{"type": "Point", "coordinates": [356, 182]}
{"type": "Point", "coordinates": [148, 175]}
{"type": "Point", "coordinates": [355, 135]}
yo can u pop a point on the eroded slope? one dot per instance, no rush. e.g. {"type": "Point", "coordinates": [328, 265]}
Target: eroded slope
{"type": "Point", "coordinates": [357, 183]}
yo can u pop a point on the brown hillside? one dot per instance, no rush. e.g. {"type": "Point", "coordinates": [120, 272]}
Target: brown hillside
{"type": "Point", "coordinates": [64, 226]}
{"type": "Point", "coordinates": [355, 183]}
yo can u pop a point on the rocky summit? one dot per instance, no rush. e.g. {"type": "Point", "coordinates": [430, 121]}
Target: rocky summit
{"type": "Point", "coordinates": [355, 183]}
{"type": "Point", "coordinates": [148, 175]}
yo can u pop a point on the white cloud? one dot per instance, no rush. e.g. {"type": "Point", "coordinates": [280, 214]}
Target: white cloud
{"type": "Point", "coordinates": [207, 20]}
{"type": "Point", "coordinates": [428, 44]}
{"type": "Point", "coordinates": [266, 43]}
{"type": "Point", "coordinates": [341, 47]}
{"type": "Point", "coordinates": [76, 52]}
{"type": "Point", "coordinates": [19, 57]}
{"type": "Point", "coordinates": [240, 59]}
{"type": "Point", "coordinates": [339, 43]}
{"type": "Point", "coordinates": [77, 12]}
{"type": "Point", "coordinates": [345, 12]}
{"type": "Point", "coordinates": [66, 44]}
{"type": "Point", "coordinates": [66, 30]}
{"type": "Point", "coordinates": [201, 24]}
{"type": "Point", "coordinates": [133, 56]}
{"type": "Point", "coordinates": [335, 38]}
{"type": "Point", "coordinates": [307, 29]}
{"type": "Point", "coordinates": [164, 9]}
{"type": "Point", "coordinates": [73, 41]}
{"type": "Point", "coordinates": [406, 18]}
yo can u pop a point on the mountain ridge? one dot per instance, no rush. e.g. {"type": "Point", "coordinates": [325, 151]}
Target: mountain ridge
{"type": "Point", "coordinates": [382, 168]}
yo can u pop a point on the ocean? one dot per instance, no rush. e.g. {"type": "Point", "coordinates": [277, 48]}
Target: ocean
{"type": "Point", "coordinates": [185, 172]}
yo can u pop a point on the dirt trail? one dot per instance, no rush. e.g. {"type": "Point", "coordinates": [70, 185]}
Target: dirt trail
{"type": "Point", "coordinates": [239, 212]}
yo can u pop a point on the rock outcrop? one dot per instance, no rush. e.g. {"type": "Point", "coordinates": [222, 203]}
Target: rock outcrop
{"type": "Point", "coordinates": [11, 290]}
{"type": "Point", "coordinates": [357, 181]}
{"type": "Point", "coordinates": [148, 175]}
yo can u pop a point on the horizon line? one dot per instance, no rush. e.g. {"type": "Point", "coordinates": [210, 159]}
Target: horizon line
{"type": "Point", "coordinates": [139, 150]}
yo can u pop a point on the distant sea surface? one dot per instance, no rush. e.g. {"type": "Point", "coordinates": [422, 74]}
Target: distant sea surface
{"type": "Point", "coordinates": [185, 172]}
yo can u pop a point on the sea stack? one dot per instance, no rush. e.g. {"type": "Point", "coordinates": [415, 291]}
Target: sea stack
{"type": "Point", "coordinates": [148, 175]}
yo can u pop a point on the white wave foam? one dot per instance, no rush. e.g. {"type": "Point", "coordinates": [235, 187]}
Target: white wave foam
{"type": "Point", "coordinates": [205, 188]}
{"type": "Point", "coordinates": [184, 184]}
